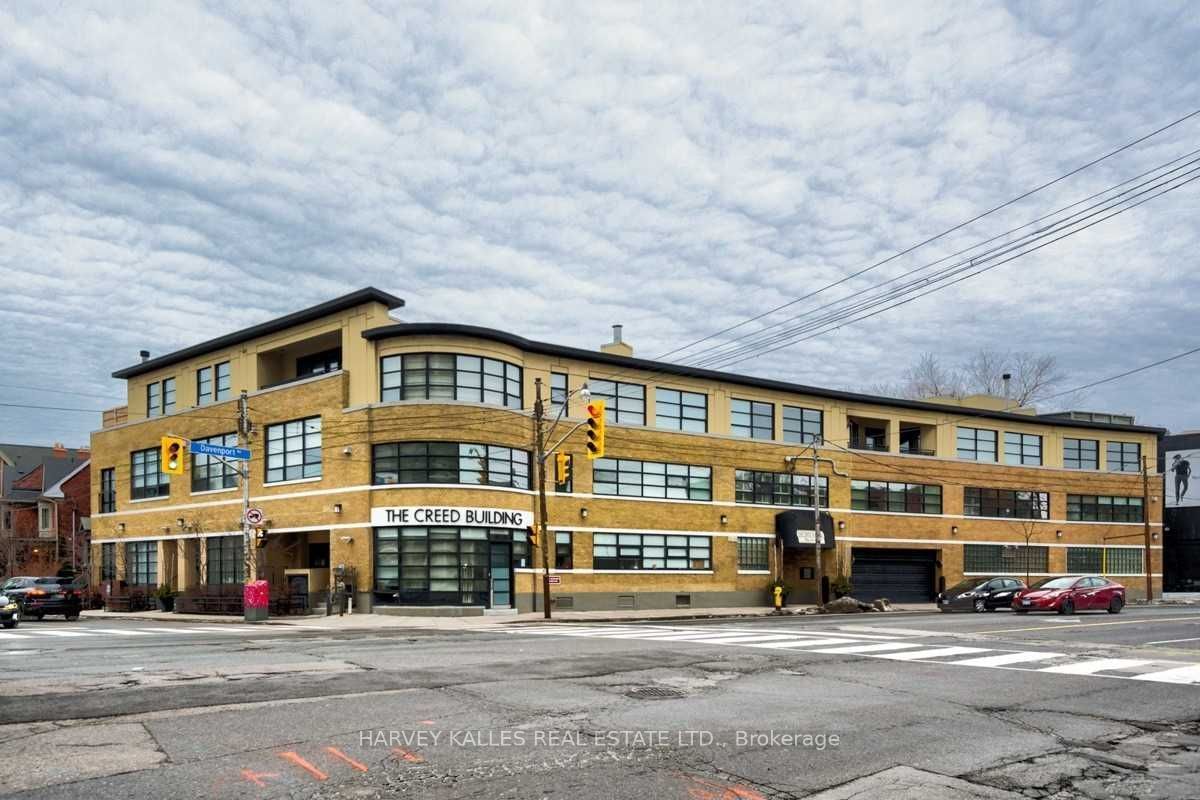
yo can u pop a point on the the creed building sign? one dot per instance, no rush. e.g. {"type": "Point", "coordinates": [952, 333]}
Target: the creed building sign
{"type": "Point", "coordinates": [452, 516]}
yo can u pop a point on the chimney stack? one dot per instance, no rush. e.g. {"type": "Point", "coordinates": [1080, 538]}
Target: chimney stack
{"type": "Point", "coordinates": [1007, 378]}
{"type": "Point", "coordinates": [145, 354]}
{"type": "Point", "coordinates": [617, 346]}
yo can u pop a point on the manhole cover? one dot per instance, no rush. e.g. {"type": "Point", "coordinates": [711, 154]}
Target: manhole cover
{"type": "Point", "coordinates": [655, 693]}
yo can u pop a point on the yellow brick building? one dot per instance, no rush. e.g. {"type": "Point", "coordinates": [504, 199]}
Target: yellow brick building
{"type": "Point", "coordinates": [402, 453]}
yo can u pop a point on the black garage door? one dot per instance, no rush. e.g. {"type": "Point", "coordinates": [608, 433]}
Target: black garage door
{"type": "Point", "coordinates": [902, 576]}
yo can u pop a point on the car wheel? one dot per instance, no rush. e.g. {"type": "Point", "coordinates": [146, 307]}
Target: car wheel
{"type": "Point", "coordinates": [1020, 610]}
{"type": "Point", "coordinates": [980, 605]}
{"type": "Point", "coordinates": [1115, 605]}
{"type": "Point", "coordinates": [16, 619]}
{"type": "Point", "coordinates": [39, 615]}
{"type": "Point", "coordinates": [1067, 607]}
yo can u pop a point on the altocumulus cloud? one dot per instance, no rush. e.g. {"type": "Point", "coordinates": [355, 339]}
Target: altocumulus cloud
{"type": "Point", "coordinates": [173, 171]}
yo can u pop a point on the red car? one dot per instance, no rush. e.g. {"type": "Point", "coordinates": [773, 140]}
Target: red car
{"type": "Point", "coordinates": [1071, 594]}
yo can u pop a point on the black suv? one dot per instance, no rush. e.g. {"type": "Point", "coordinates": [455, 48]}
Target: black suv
{"type": "Point", "coordinates": [41, 596]}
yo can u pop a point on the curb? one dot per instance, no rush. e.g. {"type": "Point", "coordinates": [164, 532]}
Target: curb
{"type": "Point", "coordinates": [767, 615]}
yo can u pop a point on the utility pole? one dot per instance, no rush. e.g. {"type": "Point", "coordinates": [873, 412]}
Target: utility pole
{"type": "Point", "coordinates": [816, 495]}
{"type": "Point", "coordinates": [1146, 524]}
{"type": "Point", "coordinates": [249, 550]}
{"type": "Point", "coordinates": [539, 414]}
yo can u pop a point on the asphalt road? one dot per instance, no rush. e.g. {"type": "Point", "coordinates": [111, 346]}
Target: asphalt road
{"type": "Point", "coordinates": [913, 705]}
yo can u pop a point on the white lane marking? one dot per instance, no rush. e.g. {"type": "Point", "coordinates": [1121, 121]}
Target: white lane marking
{"type": "Point", "coordinates": [63, 632]}
{"type": "Point", "coordinates": [751, 638]}
{"type": "Point", "coordinates": [798, 643]}
{"type": "Point", "coordinates": [1006, 659]}
{"type": "Point", "coordinates": [894, 631]}
{"type": "Point", "coordinates": [6, 635]}
{"type": "Point", "coordinates": [1172, 641]}
{"type": "Point", "coordinates": [121, 631]}
{"type": "Point", "coordinates": [799, 630]}
{"type": "Point", "coordinates": [878, 647]}
{"type": "Point", "coordinates": [937, 652]}
{"type": "Point", "coordinates": [1189, 674]}
{"type": "Point", "coordinates": [575, 631]}
{"type": "Point", "coordinates": [173, 630]}
{"type": "Point", "coordinates": [1096, 665]}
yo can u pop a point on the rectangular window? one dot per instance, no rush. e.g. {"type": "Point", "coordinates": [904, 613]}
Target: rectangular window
{"type": "Point", "coordinates": [801, 424]}
{"type": "Point", "coordinates": [450, 462]}
{"type": "Point", "coordinates": [145, 478]}
{"type": "Point", "coordinates": [1022, 449]}
{"type": "Point", "coordinates": [680, 411]}
{"type": "Point", "coordinates": [752, 419]}
{"type": "Point", "coordinates": [168, 394]}
{"type": "Point", "coordinates": [224, 381]}
{"type": "Point", "coordinates": [1123, 561]}
{"type": "Point", "coordinates": [976, 444]}
{"type": "Point", "coordinates": [108, 490]}
{"type": "Point", "coordinates": [563, 554]}
{"type": "Point", "coordinates": [624, 403]}
{"type": "Point", "coordinates": [294, 450]}
{"type": "Point", "coordinates": [1124, 457]}
{"type": "Point", "coordinates": [224, 562]}
{"type": "Point", "coordinates": [210, 473]}
{"type": "Point", "coordinates": [896, 498]}
{"type": "Point", "coordinates": [753, 553]}
{"type": "Point", "coordinates": [1085, 559]}
{"type": "Point", "coordinates": [777, 488]}
{"type": "Point", "coordinates": [204, 386]}
{"type": "Point", "coordinates": [45, 522]}
{"type": "Point", "coordinates": [1093, 508]}
{"type": "Point", "coordinates": [629, 478]}
{"type": "Point", "coordinates": [153, 399]}
{"type": "Point", "coordinates": [650, 551]}
{"type": "Point", "coordinates": [558, 395]}
{"type": "Point", "coordinates": [319, 363]}
{"type": "Point", "coordinates": [1081, 454]}
{"type": "Point", "coordinates": [108, 561]}
{"type": "Point", "coordinates": [1005, 559]}
{"type": "Point", "coordinates": [141, 563]}
{"type": "Point", "coordinates": [1011, 503]}
{"type": "Point", "coordinates": [446, 376]}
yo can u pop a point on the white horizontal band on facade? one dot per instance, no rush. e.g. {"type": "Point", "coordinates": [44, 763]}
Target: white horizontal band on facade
{"type": "Point", "coordinates": [585, 571]}
{"type": "Point", "coordinates": [207, 534]}
{"type": "Point", "coordinates": [1010, 543]}
{"type": "Point", "coordinates": [529, 492]}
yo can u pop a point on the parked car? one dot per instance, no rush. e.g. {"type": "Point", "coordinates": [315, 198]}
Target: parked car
{"type": "Point", "coordinates": [980, 594]}
{"type": "Point", "coordinates": [1070, 594]}
{"type": "Point", "coordinates": [10, 611]}
{"type": "Point", "coordinates": [41, 596]}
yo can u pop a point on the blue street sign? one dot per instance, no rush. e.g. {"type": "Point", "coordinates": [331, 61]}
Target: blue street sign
{"type": "Point", "coordinates": [232, 453]}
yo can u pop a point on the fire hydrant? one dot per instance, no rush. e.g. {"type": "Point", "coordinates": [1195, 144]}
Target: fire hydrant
{"type": "Point", "coordinates": [778, 594]}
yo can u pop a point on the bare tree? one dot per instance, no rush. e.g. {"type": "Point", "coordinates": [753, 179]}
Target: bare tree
{"type": "Point", "coordinates": [1027, 529]}
{"type": "Point", "coordinates": [1033, 377]}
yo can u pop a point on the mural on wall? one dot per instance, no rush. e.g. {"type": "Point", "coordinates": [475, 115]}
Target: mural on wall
{"type": "Point", "coordinates": [1183, 490]}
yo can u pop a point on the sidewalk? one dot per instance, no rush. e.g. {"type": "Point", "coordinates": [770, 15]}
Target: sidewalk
{"type": "Point", "coordinates": [383, 621]}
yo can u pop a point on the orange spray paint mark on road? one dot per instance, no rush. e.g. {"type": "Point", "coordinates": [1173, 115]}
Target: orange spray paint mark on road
{"type": "Point", "coordinates": [710, 790]}
{"type": "Point", "coordinates": [426, 722]}
{"type": "Point", "coordinates": [358, 765]}
{"type": "Point", "coordinates": [257, 777]}
{"type": "Point", "coordinates": [288, 755]}
{"type": "Point", "coordinates": [408, 755]}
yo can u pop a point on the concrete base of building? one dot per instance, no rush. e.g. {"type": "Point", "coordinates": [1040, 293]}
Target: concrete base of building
{"type": "Point", "coordinates": [429, 611]}
{"type": "Point", "coordinates": [630, 601]}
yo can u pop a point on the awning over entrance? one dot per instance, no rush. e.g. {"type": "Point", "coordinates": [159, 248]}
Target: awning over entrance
{"type": "Point", "coordinates": [795, 530]}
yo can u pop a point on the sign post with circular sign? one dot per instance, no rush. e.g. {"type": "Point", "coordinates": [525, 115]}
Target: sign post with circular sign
{"type": "Point", "coordinates": [254, 516]}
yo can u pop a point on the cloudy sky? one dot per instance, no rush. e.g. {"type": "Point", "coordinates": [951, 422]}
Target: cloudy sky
{"type": "Point", "coordinates": [170, 172]}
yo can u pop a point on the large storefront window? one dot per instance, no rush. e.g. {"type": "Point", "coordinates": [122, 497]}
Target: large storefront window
{"type": "Point", "coordinates": [223, 560]}
{"type": "Point", "coordinates": [450, 462]}
{"type": "Point", "coordinates": [141, 563]}
{"type": "Point", "coordinates": [448, 566]}
{"type": "Point", "coordinates": [777, 488]}
{"type": "Point", "coordinates": [448, 376]}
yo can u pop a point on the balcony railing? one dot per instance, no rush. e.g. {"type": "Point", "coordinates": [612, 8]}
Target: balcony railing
{"type": "Point", "coordinates": [917, 451]}
{"type": "Point", "coordinates": [867, 444]}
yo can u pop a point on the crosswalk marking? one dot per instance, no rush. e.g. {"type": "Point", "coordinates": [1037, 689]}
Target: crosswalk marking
{"type": "Point", "coordinates": [1097, 665]}
{"type": "Point", "coordinates": [7, 635]}
{"type": "Point", "coordinates": [1007, 659]}
{"type": "Point", "coordinates": [797, 643]}
{"type": "Point", "coordinates": [121, 631]}
{"type": "Point", "coordinates": [878, 647]}
{"type": "Point", "coordinates": [1188, 674]}
{"type": "Point", "coordinates": [750, 638]}
{"type": "Point", "coordinates": [63, 632]}
{"type": "Point", "coordinates": [936, 652]}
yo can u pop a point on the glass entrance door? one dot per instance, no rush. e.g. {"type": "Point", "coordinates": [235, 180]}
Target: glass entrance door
{"type": "Point", "coordinates": [500, 563]}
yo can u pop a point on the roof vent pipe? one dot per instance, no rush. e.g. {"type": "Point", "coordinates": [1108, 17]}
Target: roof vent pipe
{"type": "Point", "coordinates": [617, 333]}
{"type": "Point", "coordinates": [1007, 378]}
{"type": "Point", "coordinates": [145, 354]}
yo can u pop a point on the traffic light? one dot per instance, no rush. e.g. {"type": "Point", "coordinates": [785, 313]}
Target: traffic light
{"type": "Point", "coordinates": [173, 449]}
{"type": "Point", "coordinates": [260, 538]}
{"type": "Point", "coordinates": [532, 533]}
{"type": "Point", "coordinates": [595, 429]}
{"type": "Point", "coordinates": [562, 468]}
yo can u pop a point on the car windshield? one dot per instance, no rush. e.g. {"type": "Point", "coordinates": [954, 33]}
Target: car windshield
{"type": "Point", "coordinates": [964, 586]}
{"type": "Point", "coordinates": [15, 583]}
{"type": "Point", "coordinates": [1054, 583]}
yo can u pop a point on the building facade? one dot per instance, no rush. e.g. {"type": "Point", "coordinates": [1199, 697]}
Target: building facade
{"type": "Point", "coordinates": [1179, 462]}
{"type": "Point", "coordinates": [402, 452]}
{"type": "Point", "coordinates": [44, 509]}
